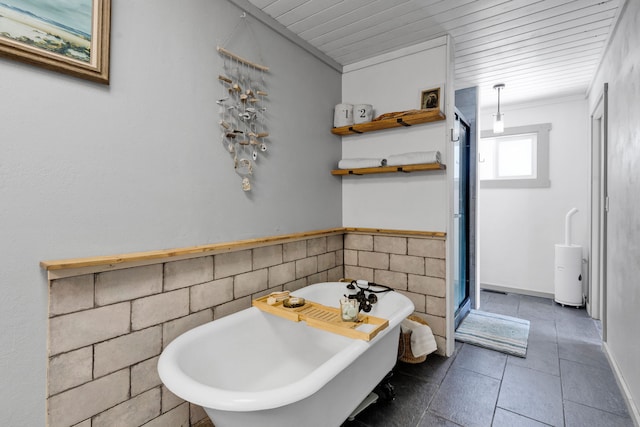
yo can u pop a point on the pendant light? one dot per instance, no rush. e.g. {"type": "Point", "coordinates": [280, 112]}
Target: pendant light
{"type": "Point", "coordinates": [498, 118]}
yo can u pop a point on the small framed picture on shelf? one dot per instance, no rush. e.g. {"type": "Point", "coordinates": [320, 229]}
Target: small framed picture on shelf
{"type": "Point", "coordinates": [430, 98]}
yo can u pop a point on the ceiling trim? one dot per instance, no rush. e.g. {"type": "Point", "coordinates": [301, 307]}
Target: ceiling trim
{"type": "Point", "coordinates": [621, 9]}
{"type": "Point", "coordinates": [390, 56]}
{"type": "Point", "coordinates": [270, 22]}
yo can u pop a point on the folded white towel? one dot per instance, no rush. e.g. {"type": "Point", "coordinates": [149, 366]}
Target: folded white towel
{"type": "Point", "coordinates": [416, 157]}
{"type": "Point", "coordinates": [360, 163]}
{"type": "Point", "coordinates": [422, 340]}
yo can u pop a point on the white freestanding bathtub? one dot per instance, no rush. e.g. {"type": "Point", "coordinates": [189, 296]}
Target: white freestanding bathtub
{"type": "Point", "coordinates": [255, 369]}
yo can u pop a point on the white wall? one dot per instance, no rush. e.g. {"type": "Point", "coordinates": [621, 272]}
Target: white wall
{"type": "Point", "coordinates": [91, 170]}
{"type": "Point", "coordinates": [519, 227]}
{"type": "Point", "coordinates": [415, 201]}
{"type": "Point", "coordinates": [621, 69]}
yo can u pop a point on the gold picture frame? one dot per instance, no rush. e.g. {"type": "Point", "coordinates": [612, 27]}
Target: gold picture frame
{"type": "Point", "coordinates": [430, 98]}
{"type": "Point", "coordinates": [73, 40]}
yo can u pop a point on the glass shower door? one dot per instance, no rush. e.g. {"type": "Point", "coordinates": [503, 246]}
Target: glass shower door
{"type": "Point", "coordinates": [461, 279]}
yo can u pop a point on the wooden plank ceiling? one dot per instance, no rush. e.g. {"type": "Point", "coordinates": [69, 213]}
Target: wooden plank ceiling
{"type": "Point", "coordinates": [538, 48]}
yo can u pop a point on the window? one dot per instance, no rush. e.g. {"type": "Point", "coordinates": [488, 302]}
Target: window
{"type": "Point", "coordinates": [517, 158]}
{"type": "Point", "coordinates": [508, 157]}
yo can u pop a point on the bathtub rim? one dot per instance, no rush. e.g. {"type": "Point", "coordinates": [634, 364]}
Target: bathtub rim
{"type": "Point", "coordinates": [189, 389]}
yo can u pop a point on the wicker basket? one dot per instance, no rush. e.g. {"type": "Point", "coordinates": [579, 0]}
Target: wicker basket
{"type": "Point", "coordinates": [404, 346]}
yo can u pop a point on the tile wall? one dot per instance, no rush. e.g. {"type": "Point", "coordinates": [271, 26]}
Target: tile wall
{"type": "Point", "coordinates": [414, 266]}
{"type": "Point", "coordinates": [107, 329]}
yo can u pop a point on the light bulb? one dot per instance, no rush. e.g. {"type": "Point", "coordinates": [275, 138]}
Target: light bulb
{"type": "Point", "coordinates": [498, 123]}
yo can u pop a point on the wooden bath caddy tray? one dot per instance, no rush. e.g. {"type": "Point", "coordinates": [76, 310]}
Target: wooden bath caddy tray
{"type": "Point", "coordinates": [323, 317]}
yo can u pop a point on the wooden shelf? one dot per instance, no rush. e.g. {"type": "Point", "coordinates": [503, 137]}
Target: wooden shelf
{"type": "Point", "coordinates": [390, 169]}
{"type": "Point", "coordinates": [409, 120]}
{"type": "Point", "coordinates": [58, 269]}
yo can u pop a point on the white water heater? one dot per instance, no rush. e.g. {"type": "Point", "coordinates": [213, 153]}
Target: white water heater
{"type": "Point", "coordinates": [568, 269]}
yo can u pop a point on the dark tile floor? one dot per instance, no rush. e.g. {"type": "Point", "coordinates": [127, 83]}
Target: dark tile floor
{"type": "Point", "coordinates": [565, 380]}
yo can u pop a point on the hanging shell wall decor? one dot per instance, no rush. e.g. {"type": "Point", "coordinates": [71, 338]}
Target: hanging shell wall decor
{"type": "Point", "coordinates": [242, 112]}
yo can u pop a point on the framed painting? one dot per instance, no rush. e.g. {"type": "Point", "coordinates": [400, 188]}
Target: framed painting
{"type": "Point", "coordinates": [68, 36]}
{"type": "Point", "coordinates": [430, 98]}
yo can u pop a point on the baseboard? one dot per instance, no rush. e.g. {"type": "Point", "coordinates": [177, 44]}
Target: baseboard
{"type": "Point", "coordinates": [509, 290]}
{"type": "Point", "coordinates": [632, 407]}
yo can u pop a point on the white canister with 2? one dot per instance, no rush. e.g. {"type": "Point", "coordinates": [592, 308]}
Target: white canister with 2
{"type": "Point", "coordinates": [343, 115]}
{"type": "Point", "coordinates": [362, 113]}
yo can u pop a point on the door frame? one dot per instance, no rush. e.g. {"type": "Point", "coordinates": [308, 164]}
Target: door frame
{"type": "Point", "coordinates": [597, 295]}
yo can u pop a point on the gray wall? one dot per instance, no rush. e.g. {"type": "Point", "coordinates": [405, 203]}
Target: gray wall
{"type": "Point", "coordinates": [91, 170]}
{"type": "Point", "coordinates": [621, 69]}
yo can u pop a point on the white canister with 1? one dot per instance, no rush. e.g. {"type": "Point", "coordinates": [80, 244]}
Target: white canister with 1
{"type": "Point", "coordinates": [343, 115]}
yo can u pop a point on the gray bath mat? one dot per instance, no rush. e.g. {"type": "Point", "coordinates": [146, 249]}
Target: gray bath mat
{"type": "Point", "coordinates": [495, 331]}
